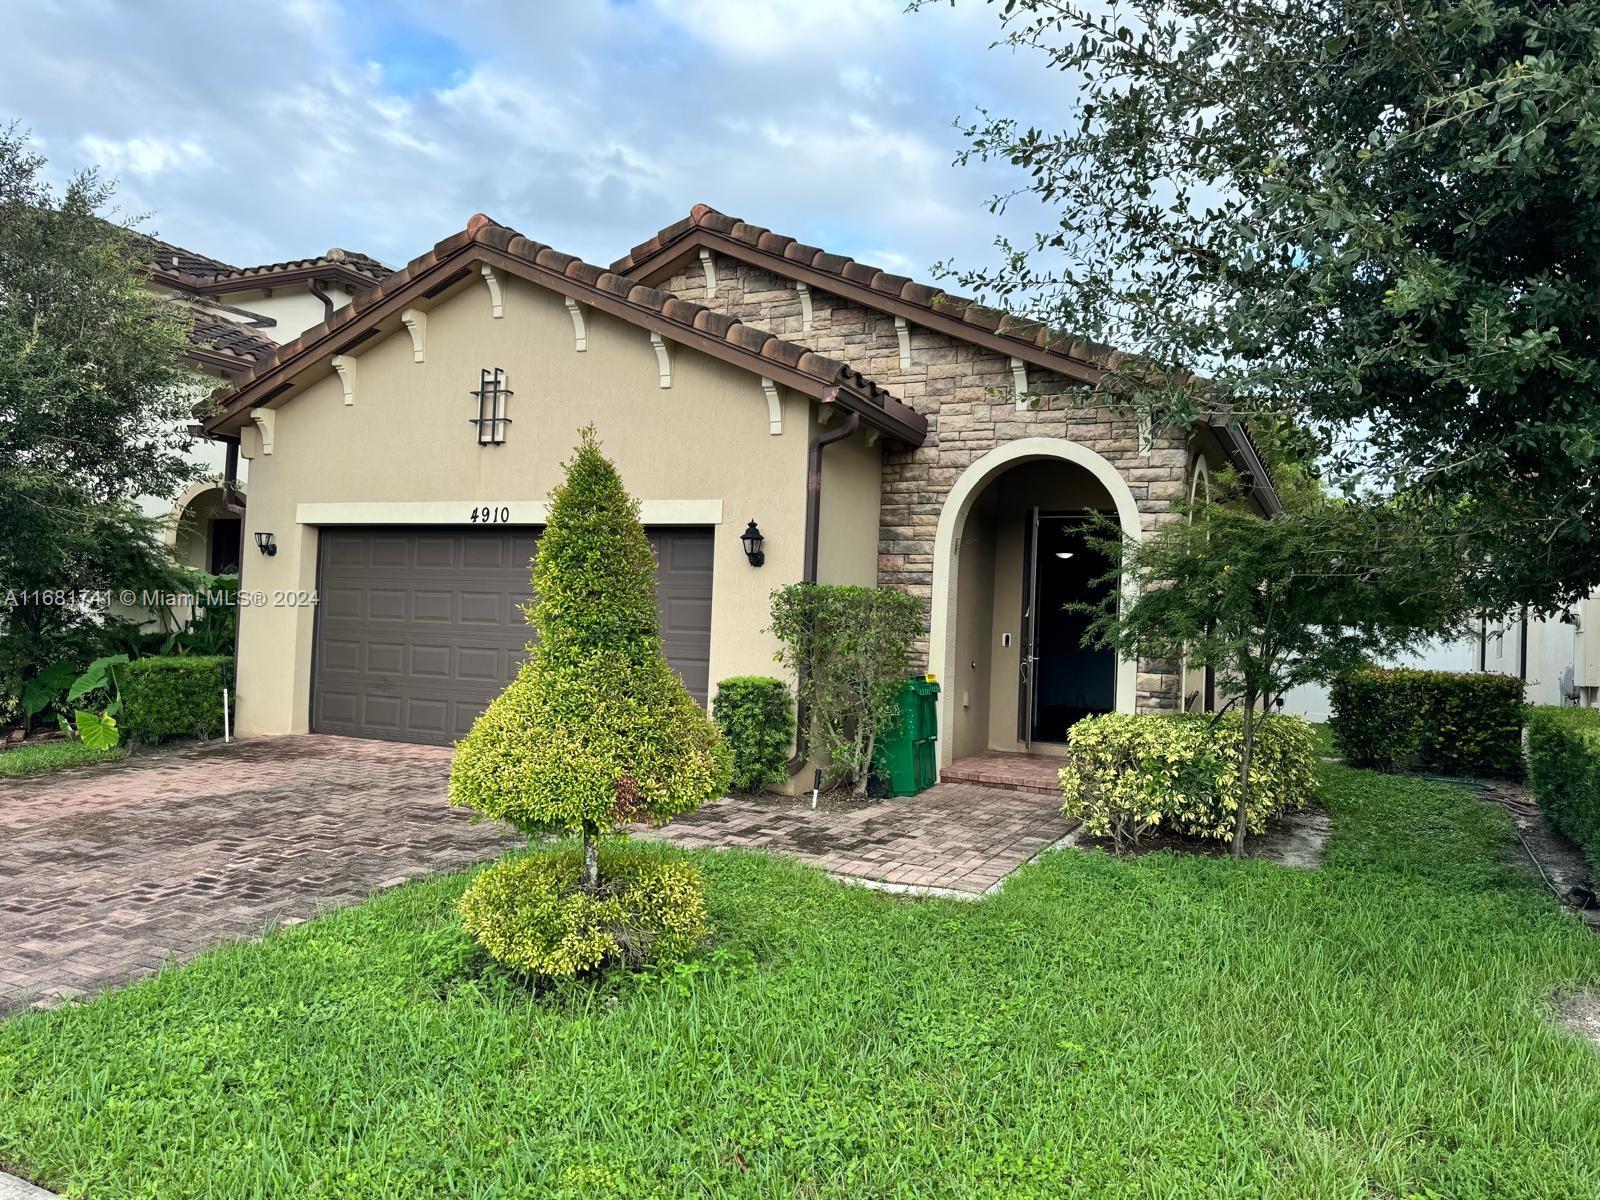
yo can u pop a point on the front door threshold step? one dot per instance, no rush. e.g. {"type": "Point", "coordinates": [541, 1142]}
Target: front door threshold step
{"type": "Point", "coordinates": [1035, 773]}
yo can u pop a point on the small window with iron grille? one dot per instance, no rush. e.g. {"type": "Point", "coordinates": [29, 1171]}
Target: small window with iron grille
{"type": "Point", "coordinates": [491, 419]}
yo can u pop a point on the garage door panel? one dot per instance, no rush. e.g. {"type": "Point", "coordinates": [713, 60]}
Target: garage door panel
{"type": "Point", "coordinates": [385, 658]}
{"type": "Point", "coordinates": [432, 662]}
{"type": "Point", "coordinates": [390, 552]}
{"type": "Point", "coordinates": [419, 629]}
{"type": "Point", "coordinates": [483, 608]}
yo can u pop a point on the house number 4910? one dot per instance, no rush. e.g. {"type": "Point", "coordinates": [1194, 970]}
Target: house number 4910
{"type": "Point", "coordinates": [488, 515]}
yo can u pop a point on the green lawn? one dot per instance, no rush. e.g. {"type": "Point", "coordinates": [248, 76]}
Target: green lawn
{"type": "Point", "coordinates": [1166, 1027]}
{"type": "Point", "coordinates": [52, 756]}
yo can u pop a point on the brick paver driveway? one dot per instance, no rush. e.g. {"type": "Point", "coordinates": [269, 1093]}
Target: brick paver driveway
{"type": "Point", "coordinates": [954, 837]}
{"type": "Point", "coordinates": [108, 872]}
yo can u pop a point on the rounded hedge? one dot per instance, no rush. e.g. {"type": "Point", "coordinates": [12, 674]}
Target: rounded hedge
{"type": "Point", "coordinates": [530, 914]}
{"type": "Point", "coordinates": [1130, 774]}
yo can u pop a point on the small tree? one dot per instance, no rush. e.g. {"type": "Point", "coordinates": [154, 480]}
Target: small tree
{"type": "Point", "coordinates": [850, 650]}
{"type": "Point", "coordinates": [95, 405]}
{"type": "Point", "coordinates": [1272, 603]}
{"type": "Point", "coordinates": [597, 730]}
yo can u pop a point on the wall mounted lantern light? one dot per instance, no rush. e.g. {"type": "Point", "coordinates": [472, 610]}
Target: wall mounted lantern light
{"type": "Point", "coordinates": [265, 544]}
{"type": "Point", "coordinates": [752, 539]}
{"type": "Point", "coordinates": [491, 419]}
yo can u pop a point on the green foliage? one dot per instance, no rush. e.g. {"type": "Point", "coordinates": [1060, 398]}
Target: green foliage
{"type": "Point", "coordinates": [174, 697]}
{"type": "Point", "coordinates": [43, 758]}
{"type": "Point", "coordinates": [1379, 218]}
{"type": "Point", "coordinates": [212, 626]}
{"type": "Point", "coordinates": [850, 649]}
{"type": "Point", "coordinates": [1270, 603]}
{"type": "Point", "coordinates": [1454, 723]}
{"type": "Point", "coordinates": [94, 412]}
{"type": "Point", "coordinates": [756, 716]}
{"type": "Point", "coordinates": [1564, 772]}
{"type": "Point", "coordinates": [45, 687]}
{"type": "Point", "coordinates": [98, 731]}
{"type": "Point", "coordinates": [530, 913]}
{"type": "Point", "coordinates": [1127, 775]}
{"type": "Point", "coordinates": [1077, 1033]}
{"type": "Point", "coordinates": [597, 730]}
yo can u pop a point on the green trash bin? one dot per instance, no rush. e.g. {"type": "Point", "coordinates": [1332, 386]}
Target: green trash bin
{"type": "Point", "coordinates": [907, 757]}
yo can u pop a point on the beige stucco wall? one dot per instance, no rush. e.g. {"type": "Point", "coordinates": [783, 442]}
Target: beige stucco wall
{"type": "Point", "coordinates": [852, 488]}
{"type": "Point", "coordinates": [406, 440]}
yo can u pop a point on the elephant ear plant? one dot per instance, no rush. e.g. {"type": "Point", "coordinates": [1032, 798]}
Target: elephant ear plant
{"type": "Point", "coordinates": [97, 730]}
{"type": "Point", "coordinates": [596, 732]}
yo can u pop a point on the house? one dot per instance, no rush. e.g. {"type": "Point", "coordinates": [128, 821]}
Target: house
{"type": "Point", "coordinates": [871, 428]}
{"type": "Point", "coordinates": [236, 318]}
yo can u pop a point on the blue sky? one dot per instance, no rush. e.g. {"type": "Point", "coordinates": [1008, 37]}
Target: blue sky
{"type": "Point", "coordinates": [255, 132]}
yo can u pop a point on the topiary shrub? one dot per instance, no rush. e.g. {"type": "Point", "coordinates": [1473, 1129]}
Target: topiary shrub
{"type": "Point", "coordinates": [596, 731]}
{"type": "Point", "coordinates": [1129, 774]}
{"type": "Point", "coordinates": [173, 697]}
{"type": "Point", "coordinates": [530, 913]}
{"type": "Point", "coordinates": [1564, 772]}
{"type": "Point", "coordinates": [756, 716]}
{"type": "Point", "coordinates": [1456, 723]}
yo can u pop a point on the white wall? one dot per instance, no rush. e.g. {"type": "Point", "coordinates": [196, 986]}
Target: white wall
{"type": "Point", "coordinates": [1310, 700]}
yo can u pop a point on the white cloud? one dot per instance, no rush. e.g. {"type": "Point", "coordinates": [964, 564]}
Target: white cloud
{"type": "Point", "coordinates": [145, 157]}
{"type": "Point", "coordinates": [587, 126]}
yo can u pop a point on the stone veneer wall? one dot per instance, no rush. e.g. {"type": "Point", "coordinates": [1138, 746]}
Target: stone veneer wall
{"type": "Point", "coordinates": [966, 393]}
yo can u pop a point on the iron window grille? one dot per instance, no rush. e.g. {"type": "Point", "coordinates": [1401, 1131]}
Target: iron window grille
{"type": "Point", "coordinates": [491, 419]}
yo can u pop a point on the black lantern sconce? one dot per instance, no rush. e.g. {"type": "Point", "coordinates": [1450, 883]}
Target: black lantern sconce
{"type": "Point", "coordinates": [491, 419]}
{"type": "Point", "coordinates": [752, 539]}
{"type": "Point", "coordinates": [265, 544]}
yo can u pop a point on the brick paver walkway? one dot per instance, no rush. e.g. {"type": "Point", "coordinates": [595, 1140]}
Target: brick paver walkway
{"type": "Point", "coordinates": [955, 836]}
{"type": "Point", "coordinates": [108, 872]}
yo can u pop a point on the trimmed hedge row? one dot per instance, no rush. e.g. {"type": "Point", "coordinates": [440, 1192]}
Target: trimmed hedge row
{"type": "Point", "coordinates": [1564, 772]}
{"type": "Point", "coordinates": [1128, 774]}
{"type": "Point", "coordinates": [1393, 718]}
{"type": "Point", "coordinates": [173, 697]}
{"type": "Point", "coordinates": [756, 716]}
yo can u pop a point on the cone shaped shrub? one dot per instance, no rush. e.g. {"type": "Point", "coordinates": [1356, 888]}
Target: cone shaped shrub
{"type": "Point", "coordinates": [597, 730]}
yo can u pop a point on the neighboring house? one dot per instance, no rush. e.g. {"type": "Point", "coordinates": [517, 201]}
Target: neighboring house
{"type": "Point", "coordinates": [237, 316]}
{"type": "Point", "coordinates": [1557, 657]}
{"type": "Point", "coordinates": [875, 430]}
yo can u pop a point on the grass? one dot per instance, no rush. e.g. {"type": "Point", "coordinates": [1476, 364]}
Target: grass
{"type": "Point", "coordinates": [1323, 733]}
{"type": "Point", "coordinates": [1157, 1027]}
{"type": "Point", "coordinates": [52, 756]}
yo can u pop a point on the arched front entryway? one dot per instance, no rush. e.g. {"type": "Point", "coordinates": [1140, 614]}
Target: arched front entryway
{"type": "Point", "coordinates": [983, 578]}
{"type": "Point", "coordinates": [203, 531]}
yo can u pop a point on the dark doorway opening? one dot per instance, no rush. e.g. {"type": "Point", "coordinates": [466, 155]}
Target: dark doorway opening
{"type": "Point", "coordinates": [1063, 680]}
{"type": "Point", "coordinates": [224, 537]}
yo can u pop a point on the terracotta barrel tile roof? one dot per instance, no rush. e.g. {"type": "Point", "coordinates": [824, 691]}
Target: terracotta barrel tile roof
{"type": "Point", "coordinates": [647, 254]}
{"type": "Point", "coordinates": [228, 340]}
{"type": "Point", "coordinates": [758, 350]}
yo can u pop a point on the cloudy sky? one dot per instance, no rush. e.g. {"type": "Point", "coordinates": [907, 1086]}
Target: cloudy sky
{"type": "Point", "coordinates": [256, 131]}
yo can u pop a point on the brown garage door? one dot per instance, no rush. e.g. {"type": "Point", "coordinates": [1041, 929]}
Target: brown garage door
{"type": "Point", "coordinates": [418, 629]}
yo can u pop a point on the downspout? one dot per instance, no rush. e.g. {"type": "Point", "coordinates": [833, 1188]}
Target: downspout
{"type": "Point", "coordinates": [320, 291]}
{"type": "Point", "coordinates": [235, 502]}
{"type": "Point", "coordinates": [230, 481]}
{"type": "Point", "coordinates": [1522, 651]}
{"type": "Point", "coordinates": [808, 574]}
